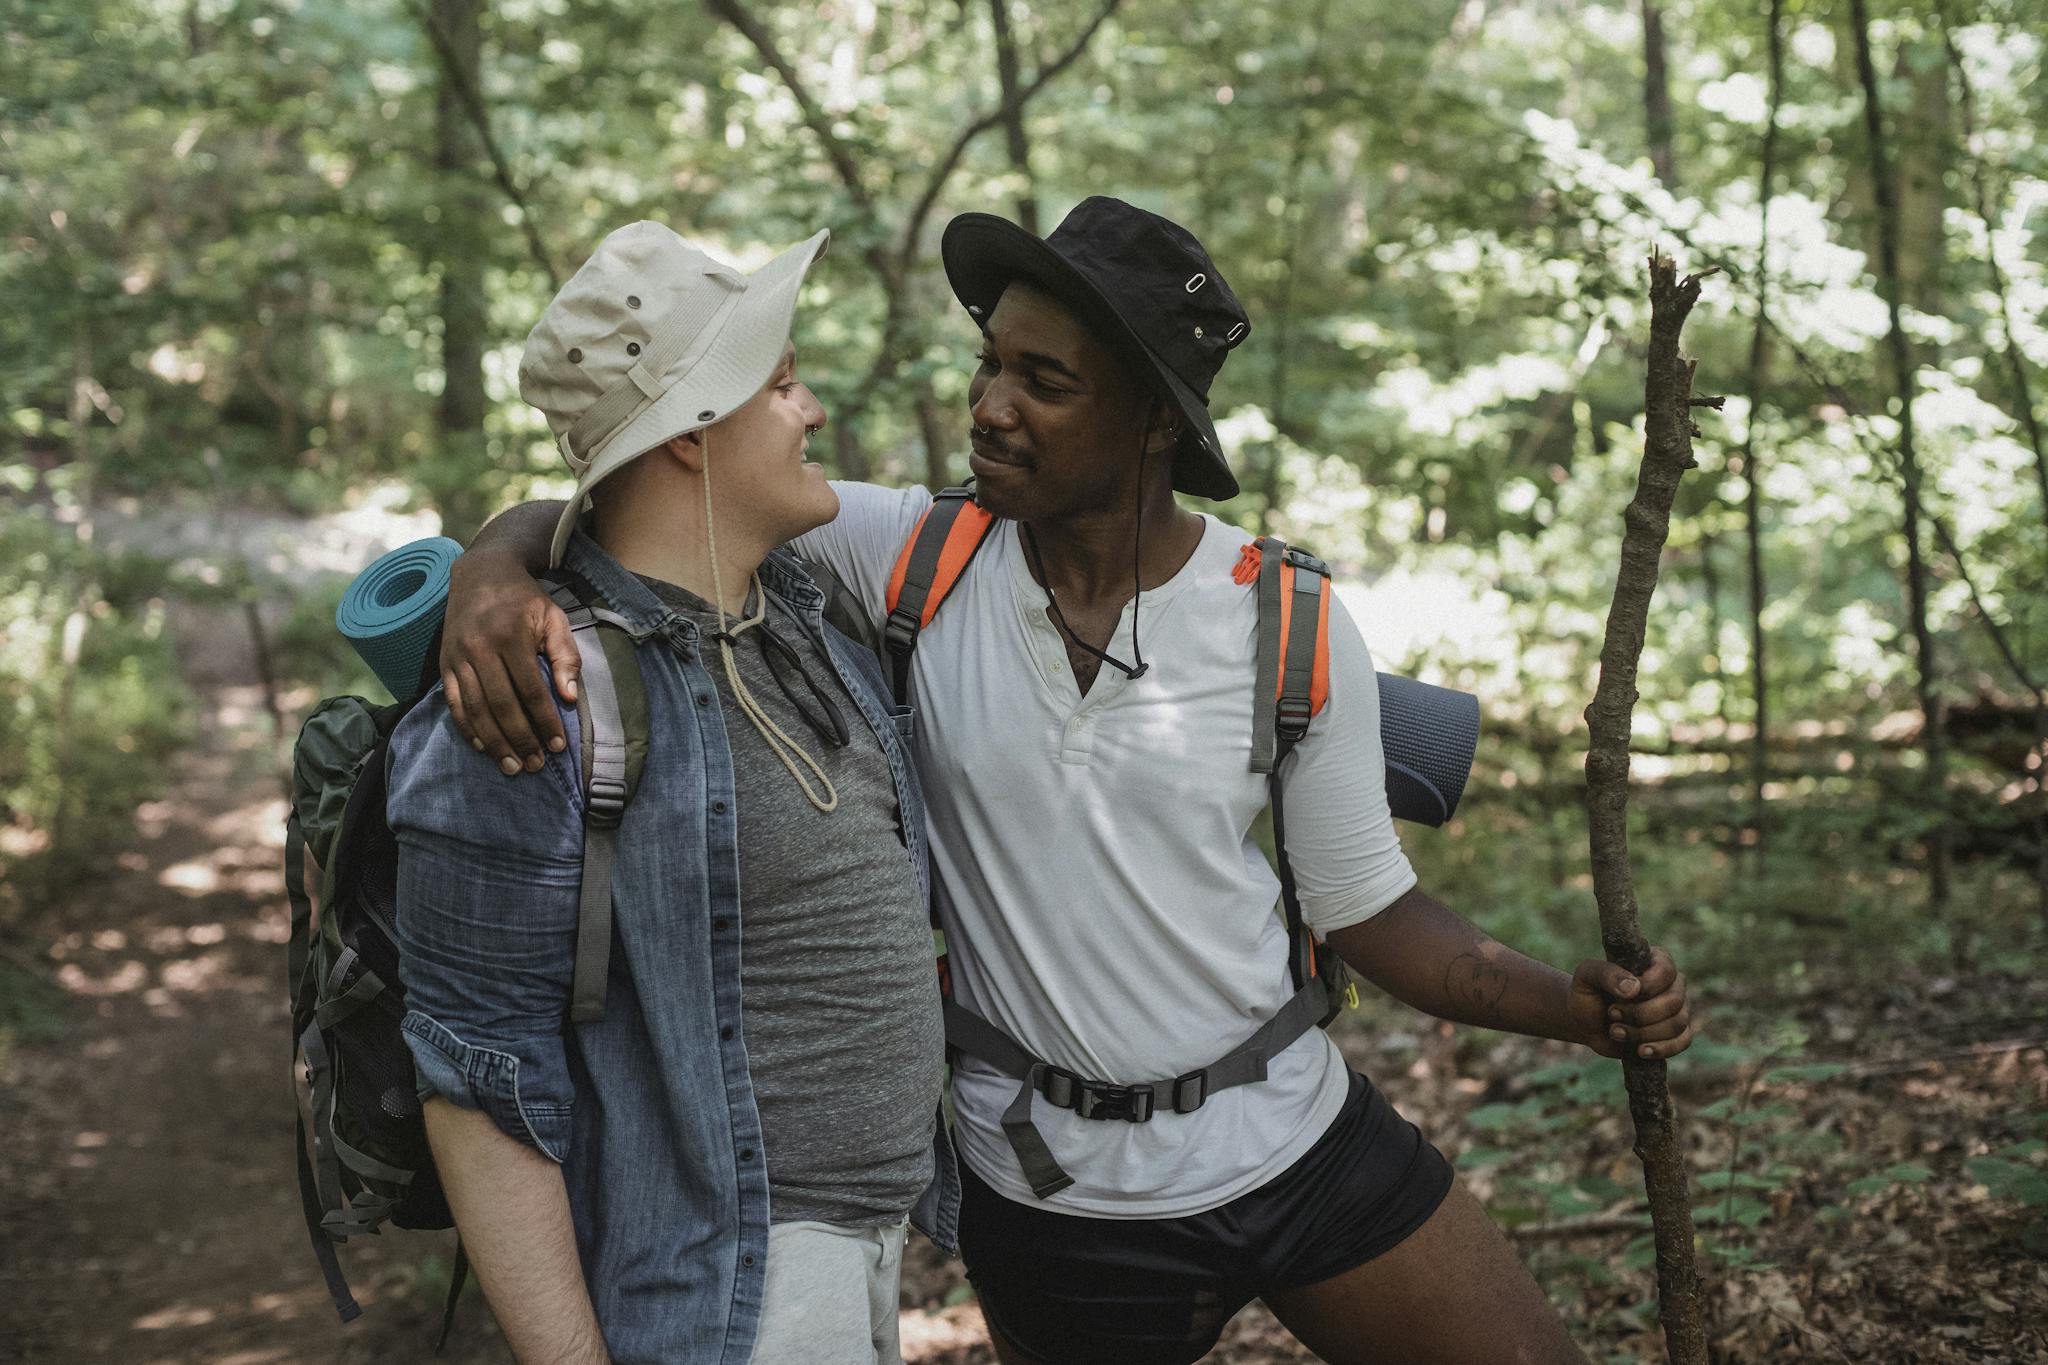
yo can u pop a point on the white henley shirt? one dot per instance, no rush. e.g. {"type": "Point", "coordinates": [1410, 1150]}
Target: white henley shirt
{"type": "Point", "coordinates": [1103, 900]}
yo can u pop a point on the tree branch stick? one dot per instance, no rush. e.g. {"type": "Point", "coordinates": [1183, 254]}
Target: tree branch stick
{"type": "Point", "coordinates": [1667, 454]}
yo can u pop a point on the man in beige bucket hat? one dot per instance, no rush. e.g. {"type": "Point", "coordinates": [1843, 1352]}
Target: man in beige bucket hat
{"type": "Point", "coordinates": [721, 1167]}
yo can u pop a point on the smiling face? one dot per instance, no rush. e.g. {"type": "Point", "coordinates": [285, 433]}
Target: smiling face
{"type": "Point", "coordinates": [760, 477]}
{"type": "Point", "coordinates": [1063, 414]}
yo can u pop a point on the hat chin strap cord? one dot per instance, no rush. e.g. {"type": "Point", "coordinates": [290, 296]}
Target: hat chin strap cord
{"type": "Point", "coordinates": [778, 740]}
{"type": "Point", "coordinates": [1052, 602]}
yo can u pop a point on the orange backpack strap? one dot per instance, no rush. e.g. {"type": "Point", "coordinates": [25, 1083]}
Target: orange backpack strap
{"type": "Point", "coordinates": [934, 557]}
{"type": "Point", "coordinates": [1291, 682]}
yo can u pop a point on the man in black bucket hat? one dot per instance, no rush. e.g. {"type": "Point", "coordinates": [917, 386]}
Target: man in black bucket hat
{"type": "Point", "coordinates": [1108, 914]}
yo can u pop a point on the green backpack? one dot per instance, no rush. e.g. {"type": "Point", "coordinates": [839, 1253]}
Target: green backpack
{"type": "Point", "coordinates": [362, 1151]}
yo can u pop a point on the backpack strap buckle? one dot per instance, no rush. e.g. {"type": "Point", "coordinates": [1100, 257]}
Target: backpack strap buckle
{"type": "Point", "coordinates": [605, 803]}
{"type": "Point", "coordinates": [1131, 1103]}
{"type": "Point", "coordinates": [1295, 712]}
{"type": "Point", "coordinates": [1191, 1091]}
{"type": "Point", "coordinates": [899, 632]}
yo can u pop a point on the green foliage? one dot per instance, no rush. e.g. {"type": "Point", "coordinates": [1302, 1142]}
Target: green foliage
{"type": "Point", "coordinates": [91, 702]}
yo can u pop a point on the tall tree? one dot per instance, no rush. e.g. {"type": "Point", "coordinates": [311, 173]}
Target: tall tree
{"type": "Point", "coordinates": [2023, 404]}
{"type": "Point", "coordinates": [1752, 472]}
{"type": "Point", "coordinates": [458, 236]}
{"type": "Point", "coordinates": [1013, 115]}
{"type": "Point", "coordinates": [1657, 95]}
{"type": "Point", "coordinates": [1293, 213]}
{"type": "Point", "coordinates": [1941, 841]}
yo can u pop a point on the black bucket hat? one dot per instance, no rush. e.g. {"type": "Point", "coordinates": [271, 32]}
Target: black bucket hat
{"type": "Point", "coordinates": [1143, 282]}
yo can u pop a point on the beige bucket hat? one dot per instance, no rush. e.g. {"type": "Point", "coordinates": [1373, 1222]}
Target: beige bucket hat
{"type": "Point", "coordinates": [653, 338]}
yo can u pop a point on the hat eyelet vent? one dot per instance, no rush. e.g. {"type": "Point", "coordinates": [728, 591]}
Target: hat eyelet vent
{"type": "Point", "coordinates": [706, 415]}
{"type": "Point", "coordinates": [632, 300]}
{"type": "Point", "coordinates": [632, 348]}
{"type": "Point", "coordinates": [1197, 282]}
{"type": "Point", "coordinates": [575, 355]}
{"type": "Point", "coordinates": [1198, 332]}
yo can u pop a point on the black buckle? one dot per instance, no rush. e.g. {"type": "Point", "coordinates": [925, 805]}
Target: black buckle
{"type": "Point", "coordinates": [1131, 1103]}
{"type": "Point", "coordinates": [1295, 714]}
{"type": "Point", "coordinates": [1200, 1081]}
{"type": "Point", "coordinates": [900, 631]}
{"type": "Point", "coordinates": [1302, 559]}
{"type": "Point", "coordinates": [606, 802]}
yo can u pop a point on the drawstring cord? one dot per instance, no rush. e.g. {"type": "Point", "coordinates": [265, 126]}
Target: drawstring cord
{"type": "Point", "coordinates": [1133, 672]}
{"type": "Point", "coordinates": [776, 738]}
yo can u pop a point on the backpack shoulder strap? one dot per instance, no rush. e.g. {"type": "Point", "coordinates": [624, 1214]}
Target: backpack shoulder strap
{"type": "Point", "coordinates": [1291, 683]}
{"type": "Point", "coordinates": [612, 716]}
{"type": "Point", "coordinates": [937, 553]}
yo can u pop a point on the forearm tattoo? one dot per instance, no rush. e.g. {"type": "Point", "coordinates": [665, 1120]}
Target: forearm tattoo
{"type": "Point", "coordinates": [1475, 986]}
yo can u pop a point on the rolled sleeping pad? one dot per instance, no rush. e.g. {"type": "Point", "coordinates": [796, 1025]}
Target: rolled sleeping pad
{"type": "Point", "coordinates": [392, 610]}
{"type": "Point", "coordinates": [1430, 735]}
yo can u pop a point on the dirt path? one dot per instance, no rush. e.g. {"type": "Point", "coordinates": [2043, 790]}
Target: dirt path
{"type": "Point", "coordinates": [153, 1212]}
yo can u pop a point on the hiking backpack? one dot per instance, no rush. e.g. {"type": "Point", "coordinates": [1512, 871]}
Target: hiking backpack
{"type": "Point", "coordinates": [362, 1153]}
{"type": "Point", "coordinates": [1291, 685]}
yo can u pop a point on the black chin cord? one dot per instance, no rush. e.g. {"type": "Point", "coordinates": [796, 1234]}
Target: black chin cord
{"type": "Point", "coordinates": [1137, 581]}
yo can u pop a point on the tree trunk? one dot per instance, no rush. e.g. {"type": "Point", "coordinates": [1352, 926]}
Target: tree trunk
{"type": "Point", "coordinates": [462, 494]}
{"type": "Point", "coordinates": [1283, 315]}
{"type": "Point", "coordinates": [2023, 405]}
{"type": "Point", "coordinates": [1752, 474]}
{"type": "Point", "coordinates": [1924, 146]}
{"type": "Point", "coordinates": [1657, 96]}
{"type": "Point", "coordinates": [1013, 119]}
{"type": "Point", "coordinates": [1667, 454]}
{"type": "Point", "coordinates": [1909, 467]}
{"type": "Point", "coordinates": [939, 440]}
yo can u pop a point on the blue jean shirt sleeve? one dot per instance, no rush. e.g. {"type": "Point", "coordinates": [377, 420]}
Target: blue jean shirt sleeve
{"type": "Point", "coordinates": [489, 871]}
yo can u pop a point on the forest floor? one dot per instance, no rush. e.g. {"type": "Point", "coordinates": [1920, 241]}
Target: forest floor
{"type": "Point", "coordinates": [151, 1210]}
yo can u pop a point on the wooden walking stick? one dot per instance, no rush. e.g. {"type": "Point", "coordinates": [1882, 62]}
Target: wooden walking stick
{"type": "Point", "coordinates": [1667, 454]}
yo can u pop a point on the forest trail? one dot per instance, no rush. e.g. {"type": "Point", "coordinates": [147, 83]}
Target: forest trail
{"type": "Point", "coordinates": [156, 1215]}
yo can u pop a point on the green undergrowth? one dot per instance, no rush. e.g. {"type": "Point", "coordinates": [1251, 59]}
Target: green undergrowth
{"type": "Point", "coordinates": [92, 705]}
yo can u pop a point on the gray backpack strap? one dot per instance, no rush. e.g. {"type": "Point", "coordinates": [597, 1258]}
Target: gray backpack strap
{"type": "Point", "coordinates": [975, 1036]}
{"type": "Point", "coordinates": [1266, 672]}
{"type": "Point", "coordinates": [612, 715]}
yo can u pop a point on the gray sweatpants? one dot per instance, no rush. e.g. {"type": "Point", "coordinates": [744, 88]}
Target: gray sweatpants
{"type": "Point", "coordinates": [830, 1295]}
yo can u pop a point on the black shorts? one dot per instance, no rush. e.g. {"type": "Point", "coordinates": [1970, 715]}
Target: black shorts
{"type": "Point", "coordinates": [1157, 1291]}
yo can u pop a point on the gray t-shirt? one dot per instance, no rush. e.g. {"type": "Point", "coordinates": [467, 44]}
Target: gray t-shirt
{"type": "Point", "coordinates": [839, 994]}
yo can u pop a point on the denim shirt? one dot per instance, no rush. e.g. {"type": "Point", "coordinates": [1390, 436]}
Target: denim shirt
{"type": "Point", "coordinates": [650, 1109]}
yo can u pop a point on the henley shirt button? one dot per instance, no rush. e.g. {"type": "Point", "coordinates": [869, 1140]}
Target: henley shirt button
{"type": "Point", "coordinates": [726, 1033]}
{"type": "Point", "coordinates": [747, 1260]}
{"type": "Point", "coordinates": [719, 924]}
{"type": "Point", "coordinates": [718, 807]}
{"type": "Point", "coordinates": [703, 699]}
{"type": "Point", "coordinates": [746, 1154]}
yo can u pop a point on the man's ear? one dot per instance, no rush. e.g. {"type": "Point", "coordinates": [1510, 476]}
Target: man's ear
{"type": "Point", "coordinates": [687, 450]}
{"type": "Point", "coordinates": [1165, 427]}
